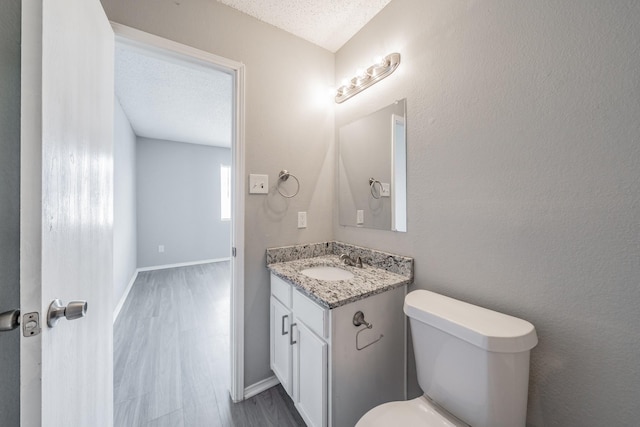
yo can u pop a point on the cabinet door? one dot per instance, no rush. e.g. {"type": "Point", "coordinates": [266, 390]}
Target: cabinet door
{"type": "Point", "coordinates": [280, 347]}
{"type": "Point", "coordinates": [310, 376]}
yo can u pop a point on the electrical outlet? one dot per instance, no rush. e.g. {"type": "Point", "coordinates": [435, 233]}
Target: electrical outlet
{"type": "Point", "coordinates": [258, 184]}
{"type": "Point", "coordinates": [359, 216]}
{"type": "Point", "coordinates": [302, 220]}
{"type": "Point", "coordinates": [161, 248]}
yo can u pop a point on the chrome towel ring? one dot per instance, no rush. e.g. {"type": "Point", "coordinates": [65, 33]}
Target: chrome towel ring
{"type": "Point", "coordinates": [372, 183]}
{"type": "Point", "coordinates": [283, 176]}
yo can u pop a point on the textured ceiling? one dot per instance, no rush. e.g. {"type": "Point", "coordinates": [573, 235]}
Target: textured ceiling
{"type": "Point", "coordinates": [166, 98]}
{"type": "Point", "coordinates": [327, 23]}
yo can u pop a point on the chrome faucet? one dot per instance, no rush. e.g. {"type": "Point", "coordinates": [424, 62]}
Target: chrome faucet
{"type": "Point", "coordinates": [347, 260]}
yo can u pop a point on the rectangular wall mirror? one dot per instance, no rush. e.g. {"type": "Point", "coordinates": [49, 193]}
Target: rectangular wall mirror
{"type": "Point", "coordinates": [372, 170]}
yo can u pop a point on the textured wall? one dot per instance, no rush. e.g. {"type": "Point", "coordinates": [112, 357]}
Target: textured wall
{"type": "Point", "coordinates": [178, 202]}
{"type": "Point", "coordinates": [124, 203]}
{"type": "Point", "coordinates": [289, 125]}
{"type": "Point", "coordinates": [523, 187]}
{"type": "Point", "coordinates": [10, 206]}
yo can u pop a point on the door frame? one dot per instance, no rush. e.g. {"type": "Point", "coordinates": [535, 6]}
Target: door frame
{"type": "Point", "coordinates": [148, 41]}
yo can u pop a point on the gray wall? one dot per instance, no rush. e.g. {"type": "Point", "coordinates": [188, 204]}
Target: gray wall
{"type": "Point", "coordinates": [178, 202]}
{"type": "Point", "coordinates": [124, 203]}
{"type": "Point", "coordinates": [289, 125]}
{"type": "Point", "coordinates": [10, 206]}
{"type": "Point", "coordinates": [524, 193]}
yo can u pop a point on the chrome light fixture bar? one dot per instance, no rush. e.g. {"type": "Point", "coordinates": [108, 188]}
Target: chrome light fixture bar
{"type": "Point", "coordinates": [368, 77]}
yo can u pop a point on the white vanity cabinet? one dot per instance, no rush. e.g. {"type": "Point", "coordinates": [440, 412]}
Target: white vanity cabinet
{"type": "Point", "coordinates": [333, 378]}
{"type": "Point", "coordinates": [299, 350]}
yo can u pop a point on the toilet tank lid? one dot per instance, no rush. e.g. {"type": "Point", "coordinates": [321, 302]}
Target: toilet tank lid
{"type": "Point", "coordinates": [484, 328]}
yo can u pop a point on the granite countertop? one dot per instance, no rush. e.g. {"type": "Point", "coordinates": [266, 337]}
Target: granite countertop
{"type": "Point", "coordinates": [367, 280]}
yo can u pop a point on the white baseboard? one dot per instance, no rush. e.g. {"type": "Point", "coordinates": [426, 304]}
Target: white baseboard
{"type": "Point", "coordinates": [116, 311]}
{"type": "Point", "coordinates": [260, 386]}
{"type": "Point", "coordinates": [124, 296]}
{"type": "Point", "coordinates": [182, 264]}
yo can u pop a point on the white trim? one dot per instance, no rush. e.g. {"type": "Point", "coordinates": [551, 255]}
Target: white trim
{"type": "Point", "coordinates": [181, 264]}
{"type": "Point", "coordinates": [125, 294]}
{"type": "Point", "coordinates": [133, 36]}
{"type": "Point", "coordinates": [260, 386]}
{"type": "Point", "coordinates": [238, 241]}
{"type": "Point", "coordinates": [31, 209]}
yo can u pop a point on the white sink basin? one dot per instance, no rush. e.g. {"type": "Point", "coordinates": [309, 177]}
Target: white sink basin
{"type": "Point", "coordinates": [325, 272]}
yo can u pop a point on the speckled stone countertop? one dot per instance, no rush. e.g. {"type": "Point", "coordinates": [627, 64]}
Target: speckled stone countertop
{"type": "Point", "coordinates": [367, 280]}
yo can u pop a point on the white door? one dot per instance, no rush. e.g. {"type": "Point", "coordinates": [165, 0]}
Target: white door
{"type": "Point", "coordinates": [280, 343]}
{"type": "Point", "coordinates": [66, 211]}
{"type": "Point", "coordinates": [310, 376]}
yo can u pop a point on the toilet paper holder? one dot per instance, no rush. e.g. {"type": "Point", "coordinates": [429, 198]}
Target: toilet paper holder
{"type": "Point", "coordinates": [358, 320]}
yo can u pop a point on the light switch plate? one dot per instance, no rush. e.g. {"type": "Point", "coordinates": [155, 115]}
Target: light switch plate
{"type": "Point", "coordinates": [386, 190]}
{"type": "Point", "coordinates": [258, 184]}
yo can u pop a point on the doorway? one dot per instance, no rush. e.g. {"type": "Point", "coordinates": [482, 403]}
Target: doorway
{"type": "Point", "coordinates": [156, 46]}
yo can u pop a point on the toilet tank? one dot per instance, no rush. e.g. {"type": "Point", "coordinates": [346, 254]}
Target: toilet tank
{"type": "Point", "coordinates": [472, 361]}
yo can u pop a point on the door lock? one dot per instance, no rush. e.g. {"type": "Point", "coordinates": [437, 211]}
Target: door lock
{"type": "Point", "coordinates": [31, 324]}
{"type": "Point", "coordinates": [10, 320]}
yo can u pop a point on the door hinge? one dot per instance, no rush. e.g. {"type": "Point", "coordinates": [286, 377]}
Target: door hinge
{"type": "Point", "coordinates": [233, 251]}
{"type": "Point", "coordinates": [31, 324]}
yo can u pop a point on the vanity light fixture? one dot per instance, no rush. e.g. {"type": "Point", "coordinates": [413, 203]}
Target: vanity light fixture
{"type": "Point", "coordinates": [365, 78]}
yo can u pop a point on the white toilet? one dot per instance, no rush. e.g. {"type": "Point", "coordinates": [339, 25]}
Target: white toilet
{"type": "Point", "coordinates": [472, 365]}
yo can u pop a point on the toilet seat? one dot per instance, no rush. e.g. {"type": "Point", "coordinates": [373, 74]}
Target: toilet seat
{"type": "Point", "coordinates": [419, 412]}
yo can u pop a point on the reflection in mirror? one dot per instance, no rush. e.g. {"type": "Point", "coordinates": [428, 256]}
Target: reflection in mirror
{"type": "Point", "coordinates": [372, 170]}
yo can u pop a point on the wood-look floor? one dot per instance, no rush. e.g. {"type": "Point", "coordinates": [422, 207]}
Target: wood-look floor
{"type": "Point", "coordinates": [171, 355]}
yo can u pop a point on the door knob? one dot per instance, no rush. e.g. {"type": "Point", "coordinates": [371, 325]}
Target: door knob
{"type": "Point", "coordinates": [9, 320]}
{"type": "Point", "coordinates": [73, 310]}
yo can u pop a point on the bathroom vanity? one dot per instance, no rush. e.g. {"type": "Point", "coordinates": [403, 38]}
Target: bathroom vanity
{"type": "Point", "coordinates": [338, 345]}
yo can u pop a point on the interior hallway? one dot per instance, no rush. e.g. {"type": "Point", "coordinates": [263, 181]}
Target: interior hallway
{"type": "Point", "coordinates": [171, 355]}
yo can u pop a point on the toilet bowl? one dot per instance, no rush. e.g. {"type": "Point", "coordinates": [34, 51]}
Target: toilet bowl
{"type": "Point", "coordinates": [472, 365]}
{"type": "Point", "coordinates": [419, 412]}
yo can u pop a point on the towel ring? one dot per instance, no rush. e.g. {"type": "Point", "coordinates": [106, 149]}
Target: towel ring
{"type": "Point", "coordinates": [283, 176]}
{"type": "Point", "coordinates": [372, 183]}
